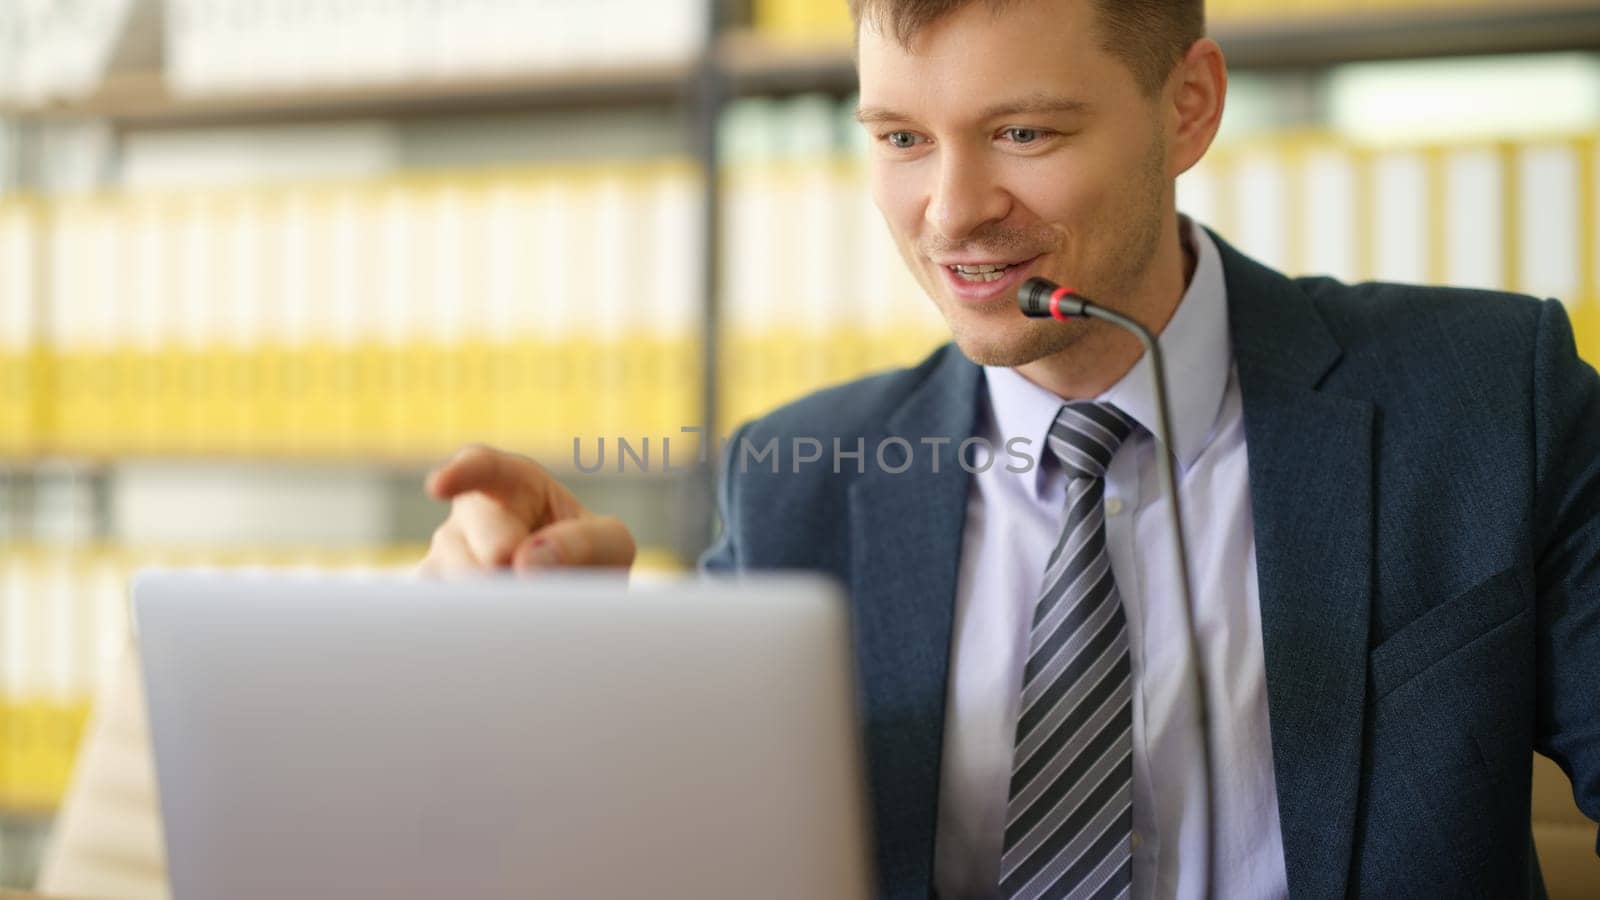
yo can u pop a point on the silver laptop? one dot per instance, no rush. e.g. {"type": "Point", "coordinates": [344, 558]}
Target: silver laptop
{"type": "Point", "coordinates": [344, 737]}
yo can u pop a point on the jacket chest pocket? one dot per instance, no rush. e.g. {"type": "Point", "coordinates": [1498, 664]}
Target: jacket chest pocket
{"type": "Point", "coordinates": [1465, 622]}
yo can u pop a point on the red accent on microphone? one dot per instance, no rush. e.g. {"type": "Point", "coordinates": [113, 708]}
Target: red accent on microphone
{"type": "Point", "coordinates": [1055, 303]}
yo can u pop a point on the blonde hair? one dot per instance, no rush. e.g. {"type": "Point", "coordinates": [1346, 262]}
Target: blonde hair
{"type": "Point", "coordinates": [1149, 36]}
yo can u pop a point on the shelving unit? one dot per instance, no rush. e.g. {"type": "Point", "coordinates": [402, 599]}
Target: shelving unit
{"type": "Point", "coordinates": [671, 513]}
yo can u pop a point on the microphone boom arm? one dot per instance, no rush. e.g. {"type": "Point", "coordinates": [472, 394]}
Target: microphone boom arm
{"type": "Point", "coordinates": [1040, 298]}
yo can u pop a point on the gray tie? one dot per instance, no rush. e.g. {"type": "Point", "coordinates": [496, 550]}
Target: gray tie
{"type": "Point", "coordinates": [1069, 816]}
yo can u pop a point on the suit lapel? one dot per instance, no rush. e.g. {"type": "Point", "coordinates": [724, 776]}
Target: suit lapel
{"type": "Point", "coordinates": [1311, 470]}
{"type": "Point", "coordinates": [905, 538]}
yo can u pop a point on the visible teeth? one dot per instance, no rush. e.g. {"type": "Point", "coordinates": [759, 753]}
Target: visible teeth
{"type": "Point", "coordinates": [983, 273]}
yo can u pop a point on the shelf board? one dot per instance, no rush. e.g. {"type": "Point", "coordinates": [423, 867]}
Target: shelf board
{"type": "Point", "coordinates": [26, 816]}
{"type": "Point", "coordinates": [1312, 40]}
{"type": "Point", "coordinates": [143, 100]}
{"type": "Point", "coordinates": [760, 65]}
{"type": "Point", "coordinates": [755, 64]}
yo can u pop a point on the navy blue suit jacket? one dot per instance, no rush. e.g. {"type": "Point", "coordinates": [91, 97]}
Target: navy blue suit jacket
{"type": "Point", "coordinates": [1425, 482]}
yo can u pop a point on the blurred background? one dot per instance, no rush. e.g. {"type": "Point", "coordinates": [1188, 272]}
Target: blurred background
{"type": "Point", "coordinates": [263, 263]}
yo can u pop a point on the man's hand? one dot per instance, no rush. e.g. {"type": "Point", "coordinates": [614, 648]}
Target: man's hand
{"type": "Point", "coordinates": [507, 511]}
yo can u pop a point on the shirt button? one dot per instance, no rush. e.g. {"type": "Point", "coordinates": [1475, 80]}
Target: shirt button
{"type": "Point", "coordinates": [1114, 506]}
{"type": "Point", "coordinates": [1138, 840]}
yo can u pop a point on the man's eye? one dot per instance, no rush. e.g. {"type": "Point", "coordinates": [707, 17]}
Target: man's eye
{"type": "Point", "coordinates": [1023, 135]}
{"type": "Point", "coordinates": [901, 140]}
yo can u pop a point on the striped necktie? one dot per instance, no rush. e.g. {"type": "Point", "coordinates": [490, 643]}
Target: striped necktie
{"type": "Point", "coordinates": [1069, 814]}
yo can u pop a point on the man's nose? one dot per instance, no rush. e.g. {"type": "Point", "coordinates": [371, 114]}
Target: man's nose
{"type": "Point", "coordinates": [965, 197]}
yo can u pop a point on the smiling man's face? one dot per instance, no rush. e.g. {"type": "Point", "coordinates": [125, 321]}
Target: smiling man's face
{"type": "Point", "coordinates": [1006, 144]}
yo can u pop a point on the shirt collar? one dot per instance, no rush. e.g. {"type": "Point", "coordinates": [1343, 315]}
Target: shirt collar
{"type": "Point", "coordinates": [1198, 354]}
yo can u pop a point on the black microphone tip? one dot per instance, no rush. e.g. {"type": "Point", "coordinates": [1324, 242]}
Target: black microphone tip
{"type": "Point", "coordinates": [1034, 297]}
{"type": "Point", "coordinates": [1037, 300]}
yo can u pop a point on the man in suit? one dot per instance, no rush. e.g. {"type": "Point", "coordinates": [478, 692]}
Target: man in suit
{"type": "Point", "coordinates": [1391, 496]}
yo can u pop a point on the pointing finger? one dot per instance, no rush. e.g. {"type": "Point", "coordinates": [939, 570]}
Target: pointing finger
{"type": "Point", "coordinates": [519, 484]}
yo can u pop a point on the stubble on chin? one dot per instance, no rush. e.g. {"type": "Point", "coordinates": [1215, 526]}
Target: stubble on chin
{"type": "Point", "coordinates": [1033, 340]}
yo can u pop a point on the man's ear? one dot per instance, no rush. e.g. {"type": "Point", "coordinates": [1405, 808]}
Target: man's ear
{"type": "Point", "coordinates": [1194, 98]}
